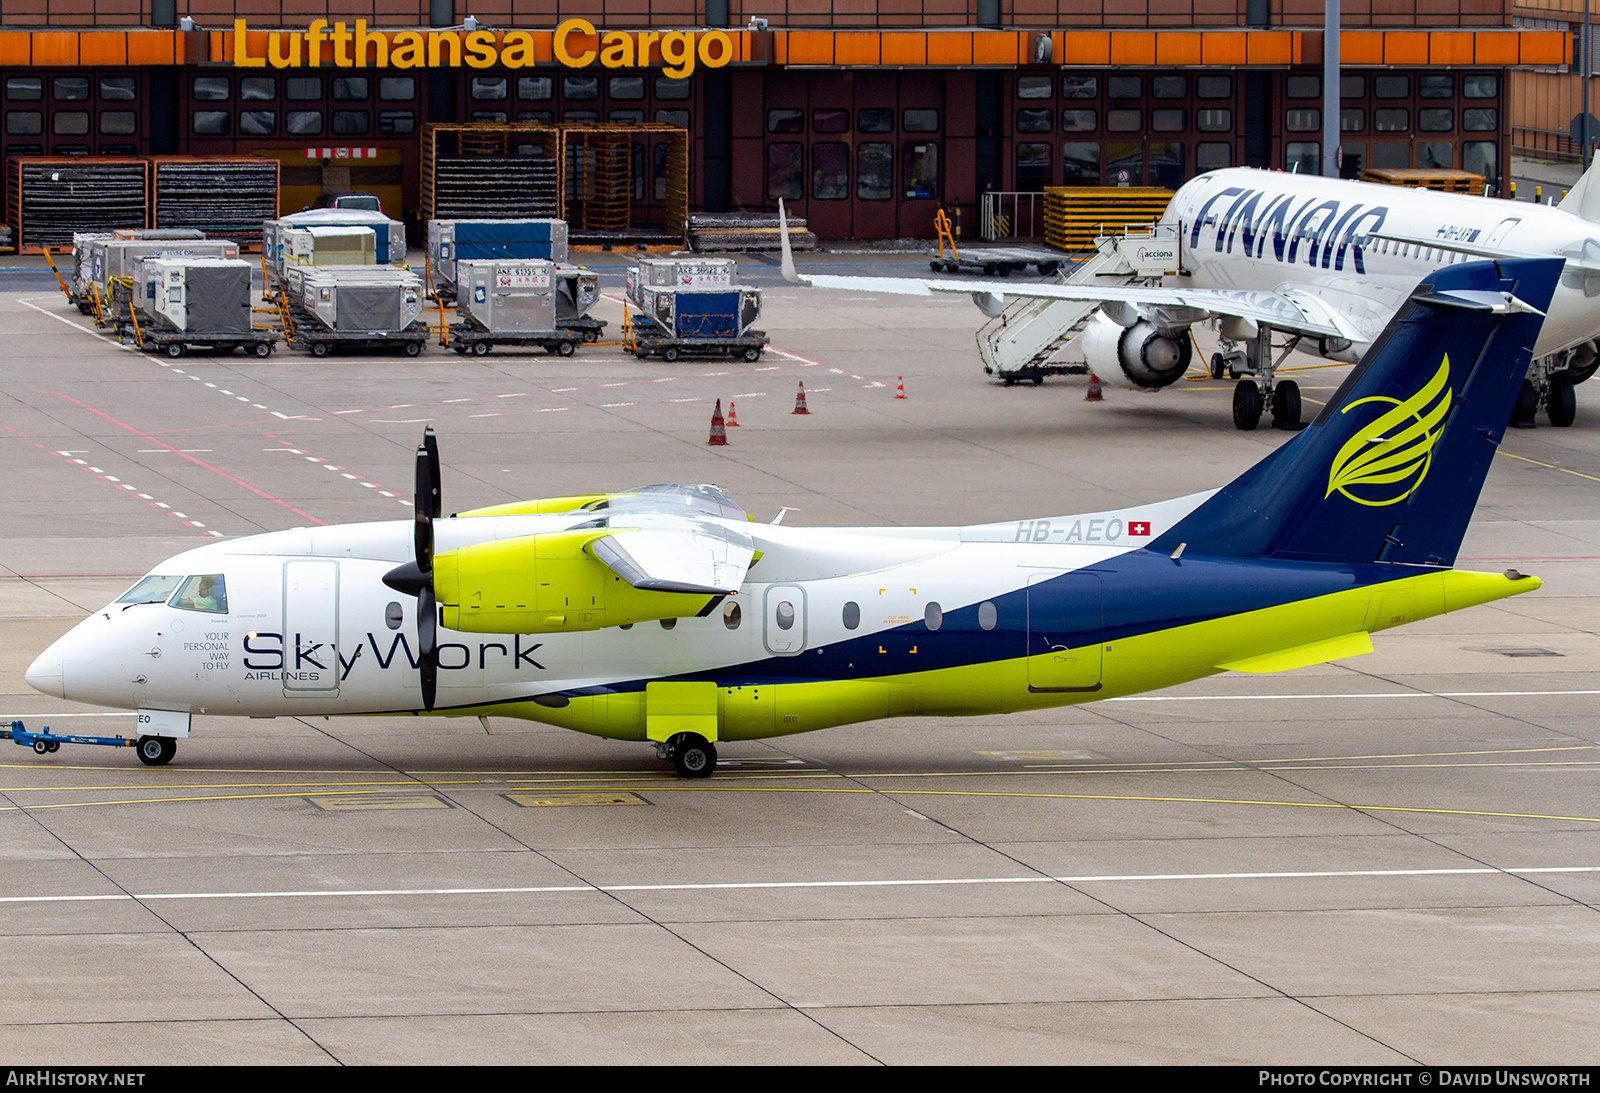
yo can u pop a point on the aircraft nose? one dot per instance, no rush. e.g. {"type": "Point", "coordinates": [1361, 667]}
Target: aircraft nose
{"type": "Point", "coordinates": [45, 673]}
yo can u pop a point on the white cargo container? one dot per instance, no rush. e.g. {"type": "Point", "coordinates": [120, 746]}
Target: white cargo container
{"type": "Point", "coordinates": [390, 236]}
{"type": "Point", "coordinates": [368, 301]}
{"type": "Point", "coordinates": [329, 246]}
{"type": "Point", "coordinates": [508, 296]}
{"type": "Point", "coordinates": [200, 295]}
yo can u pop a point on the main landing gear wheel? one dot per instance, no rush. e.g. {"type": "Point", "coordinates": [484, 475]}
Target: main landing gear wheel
{"type": "Point", "coordinates": [157, 751]}
{"type": "Point", "coordinates": [693, 756]}
{"type": "Point", "coordinates": [1246, 405]}
{"type": "Point", "coordinates": [1560, 402]}
{"type": "Point", "coordinates": [1286, 405]}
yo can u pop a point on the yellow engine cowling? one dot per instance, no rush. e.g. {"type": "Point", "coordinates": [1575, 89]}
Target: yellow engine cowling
{"type": "Point", "coordinates": [545, 584]}
{"type": "Point", "coordinates": [539, 505]}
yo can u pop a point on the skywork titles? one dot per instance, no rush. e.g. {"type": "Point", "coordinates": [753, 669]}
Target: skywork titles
{"type": "Point", "coordinates": [1324, 227]}
{"type": "Point", "coordinates": [268, 656]}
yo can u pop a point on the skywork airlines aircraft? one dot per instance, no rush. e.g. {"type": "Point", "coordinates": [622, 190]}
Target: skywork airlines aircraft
{"type": "Point", "coordinates": [1322, 264]}
{"type": "Point", "coordinates": [665, 615]}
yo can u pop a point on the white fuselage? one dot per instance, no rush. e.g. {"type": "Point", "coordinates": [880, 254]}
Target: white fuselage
{"type": "Point", "coordinates": [1315, 239]}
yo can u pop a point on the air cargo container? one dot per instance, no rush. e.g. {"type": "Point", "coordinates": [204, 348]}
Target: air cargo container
{"type": "Point", "coordinates": [389, 238]}
{"type": "Point", "coordinates": [452, 241]}
{"type": "Point", "coordinates": [357, 307]}
{"type": "Point", "coordinates": [693, 305]}
{"type": "Point", "coordinates": [510, 302]}
{"type": "Point", "coordinates": [188, 303]}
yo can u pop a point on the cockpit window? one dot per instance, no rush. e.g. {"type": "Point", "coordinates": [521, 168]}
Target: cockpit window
{"type": "Point", "coordinates": [153, 589]}
{"type": "Point", "coordinates": [207, 592]}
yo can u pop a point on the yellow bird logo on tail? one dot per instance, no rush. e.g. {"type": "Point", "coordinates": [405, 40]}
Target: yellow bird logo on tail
{"type": "Point", "coordinates": [1388, 459]}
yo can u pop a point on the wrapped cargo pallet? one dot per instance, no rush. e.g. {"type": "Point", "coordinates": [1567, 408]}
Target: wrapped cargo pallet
{"type": "Point", "coordinates": [389, 235]}
{"type": "Point", "coordinates": [198, 295]}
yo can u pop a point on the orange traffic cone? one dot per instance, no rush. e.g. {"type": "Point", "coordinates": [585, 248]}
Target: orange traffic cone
{"type": "Point", "coordinates": [800, 400]}
{"type": "Point", "coordinates": [733, 418]}
{"type": "Point", "coordinates": [719, 434]}
{"type": "Point", "coordinates": [1094, 394]}
{"type": "Point", "coordinates": [900, 387]}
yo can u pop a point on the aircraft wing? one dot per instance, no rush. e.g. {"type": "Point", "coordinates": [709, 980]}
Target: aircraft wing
{"type": "Point", "coordinates": [1287, 310]}
{"type": "Point", "coordinates": [696, 557]}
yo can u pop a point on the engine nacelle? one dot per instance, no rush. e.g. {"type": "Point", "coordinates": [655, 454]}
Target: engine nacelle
{"type": "Point", "coordinates": [1138, 357]}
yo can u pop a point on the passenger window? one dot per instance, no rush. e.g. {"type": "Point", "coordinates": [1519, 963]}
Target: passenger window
{"type": "Point", "coordinates": [207, 592]}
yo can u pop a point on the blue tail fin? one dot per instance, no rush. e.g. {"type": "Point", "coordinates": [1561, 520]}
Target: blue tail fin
{"type": "Point", "coordinates": [1391, 469]}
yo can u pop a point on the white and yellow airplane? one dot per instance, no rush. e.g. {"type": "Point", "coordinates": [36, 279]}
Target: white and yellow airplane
{"type": "Point", "coordinates": [665, 615]}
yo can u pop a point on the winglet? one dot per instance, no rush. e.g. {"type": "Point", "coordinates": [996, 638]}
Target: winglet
{"type": "Point", "coordinates": [789, 273]}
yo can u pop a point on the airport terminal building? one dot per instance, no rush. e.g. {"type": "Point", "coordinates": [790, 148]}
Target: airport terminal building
{"type": "Point", "coordinates": [864, 116]}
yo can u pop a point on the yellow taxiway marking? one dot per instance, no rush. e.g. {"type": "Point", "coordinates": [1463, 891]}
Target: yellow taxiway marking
{"type": "Point", "coordinates": [1552, 466]}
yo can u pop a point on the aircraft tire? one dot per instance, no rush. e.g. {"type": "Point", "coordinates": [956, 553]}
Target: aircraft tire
{"type": "Point", "coordinates": [1578, 375]}
{"type": "Point", "coordinates": [693, 756]}
{"type": "Point", "coordinates": [1286, 405]}
{"type": "Point", "coordinates": [1246, 405]}
{"type": "Point", "coordinates": [1560, 402]}
{"type": "Point", "coordinates": [156, 751]}
{"type": "Point", "coordinates": [1219, 366]}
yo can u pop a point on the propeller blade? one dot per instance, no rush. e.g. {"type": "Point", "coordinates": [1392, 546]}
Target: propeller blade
{"type": "Point", "coordinates": [428, 645]}
{"type": "Point", "coordinates": [430, 445]}
{"type": "Point", "coordinates": [423, 508]}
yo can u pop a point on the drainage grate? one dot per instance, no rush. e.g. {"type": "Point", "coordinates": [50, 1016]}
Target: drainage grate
{"type": "Point", "coordinates": [1531, 652]}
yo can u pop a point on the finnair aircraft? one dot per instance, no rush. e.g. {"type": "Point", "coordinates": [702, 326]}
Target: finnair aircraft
{"type": "Point", "coordinates": [1287, 261]}
{"type": "Point", "coordinates": [666, 616]}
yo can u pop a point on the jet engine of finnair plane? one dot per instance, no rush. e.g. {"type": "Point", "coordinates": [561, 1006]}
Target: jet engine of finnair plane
{"type": "Point", "coordinates": [1141, 357]}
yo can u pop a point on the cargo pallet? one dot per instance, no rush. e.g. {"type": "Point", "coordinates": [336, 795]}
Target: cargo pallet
{"type": "Point", "coordinates": [1074, 216]}
{"type": "Point", "coordinates": [652, 343]}
{"type": "Point", "coordinates": [465, 338]}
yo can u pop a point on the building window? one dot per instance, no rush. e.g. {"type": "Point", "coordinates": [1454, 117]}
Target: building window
{"type": "Point", "coordinates": [1437, 154]}
{"type": "Point", "coordinates": [920, 120]}
{"type": "Point", "coordinates": [351, 88]}
{"type": "Point", "coordinates": [1352, 119]}
{"type": "Point", "coordinates": [1391, 119]}
{"type": "Point", "coordinates": [1125, 163]}
{"type": "Point", "coordinates": [397, 88]}
{"type": "Point", "coordinates": [258, 123]}
{"type": "Point", "coordinates": [303, 123]}
{"type": "Point", "coordinates": [785, 171]}
{"type": "Point", "coordinates": [580, 117]}
{"type": "Point", "coordinates": [1390, 154]}
{"type": "Point", "coordinates": [875, 171]}
{"type": "Point", "coordinates": [625, 117]}
{"type": "Point", "coordinates": [1214, 119]}
{"type": "Point", "coordinates": [204, 88]}
{"type": "Point", "coordinates": [24, 122]}
{"type": "Point", "coordinates": [1079, 121]}
{"type": "Point", "coordinates": [1212, 155]}
{"type": "Point", "coordinates": [1352, 87]}
{"type": "Point", "coordinates": [1213, 87]}
{"type": "Point", "coordinates": [580, 88]}
{"type": "Point", "coordinates": [1303, 157]}
{"type": "Point", "coordinates": [1436, 87]}
{"type": "Point", "coordinates": [625, 87]}
{"type": "Point", "coordinates": [1080, 87]}
{"type": "Point", "coordinates": [786, 120]}
{"type": "Point", "coordinates": [1391, 87]}
{"type": "Point", "coordinates": [1302, 119]}
{"type": "Point", "coordinates": [76, 88]}
{"type": "Point", "coordinates": [1080, 163]}
{"type": "Point", "coordinates": [677, 118]}
{"type": "Point", "coordinates": [1303, 87]}
{"type": "Point", "coordinates": [920, 168]}
{"type": "Point", "coordinates": [1480, 86]}
{"type": "Point", "coordinates": [1033, 87]}
{"type": "Point", "coordinates": [356, 123]}
{"type": "Point", "coordinates": [537, 117]}
{"type": "Point", "coordinates": [397, 123]}
{"type": "Point", "coordinates": [489, 88]}
{"type": "Point", "coordinates": [1436, 119]}
{"type": "Point", "coordinates": [1035, 120]}
{"type": "Point", "coordinates": [1169, 120]}
{"type": "Point", "coordinates": [875, 119]}
{"type": "Point", "coordinates": [535, 88]}
{"type": "Point", "coordinates": [1169, 87]}
{"type": "Point", "coordinates": [1166, 164]}
{"type": "Point", "coordinates": [830, 171]}
{"type": "Point", "coordinates": [257, 89]}
{"type": "Point", "coordinates": [1033, 167]}
{"type": "Point", "coordinates": [830, 121]}
{"type": "Point", "coordinates": [118, 88]}
{"type": "Point", "coordinates": [118, 123]}
{"type": "Point", "coordinates": [303, 89]}
{"type": "Point", "coordinates": [24, 88]}
{"type": "Point", "coordinates": [1124, 87]}
{"type": "Point", "coordinates": [1124, 120]}
{"type": "Point", "coordinates": [210, 123]}
{"type": "Point", "coordinates": [493, 117]}
{"type": "Point", "coordinates": [1481, 157]}
{"type": "Point", "coordinates": [1480, 119]}
{"type": "Point", "coordinates": [668, 88]}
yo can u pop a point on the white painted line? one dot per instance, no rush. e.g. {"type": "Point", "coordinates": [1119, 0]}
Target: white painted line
{"type": "Point", "coordinates": [1107, 878]}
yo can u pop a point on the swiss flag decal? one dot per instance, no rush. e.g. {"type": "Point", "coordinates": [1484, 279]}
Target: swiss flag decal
{"type": "Point", "coordinates": [1138, 527]}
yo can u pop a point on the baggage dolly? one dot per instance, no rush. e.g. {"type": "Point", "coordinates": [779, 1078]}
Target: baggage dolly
{"type": "Point", "coordinates": [176, 343]}
{"type": "Point", "coordinates": [154, 751]}
{"type": "Point", "coordinates": [319, 342]}
{"type": "Point", "coordinates": [466, 338]}
{"type": "Point", "coordinates": [998, 261]}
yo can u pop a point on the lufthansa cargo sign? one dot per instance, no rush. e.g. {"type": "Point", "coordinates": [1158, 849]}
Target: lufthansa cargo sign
{"type": "Point", "coordinates": [575, 43]}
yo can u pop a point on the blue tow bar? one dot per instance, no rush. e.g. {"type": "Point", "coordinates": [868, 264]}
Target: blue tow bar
{"type": "Point", "coordinates": [46, 742]}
